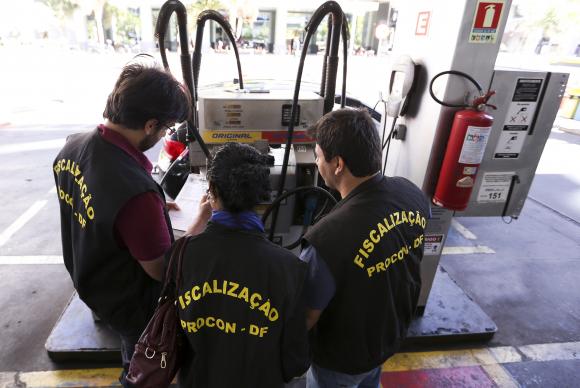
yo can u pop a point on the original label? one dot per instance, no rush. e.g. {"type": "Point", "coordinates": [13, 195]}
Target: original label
{"type": "Point", "coordinates": [495, 186]}
{"type": "Point", "coordinates": [210, 136]}
{"type": "Point", "coordinates": [474, 145]}
{"type": "Point", "coordinates": [433, 244]}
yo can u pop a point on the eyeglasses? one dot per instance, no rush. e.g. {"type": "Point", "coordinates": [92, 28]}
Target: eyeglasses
{"type": "Point", "coordinates": [169, 128]}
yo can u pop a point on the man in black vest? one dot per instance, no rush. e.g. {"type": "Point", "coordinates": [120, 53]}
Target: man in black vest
{"type": "Point", "coordinates": [364, 256]}
{"type": "Point", "coordinates": [114, 222]}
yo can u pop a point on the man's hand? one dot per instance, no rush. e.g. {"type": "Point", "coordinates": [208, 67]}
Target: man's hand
{"type": "Point", "coordinates": [312, 317]}
{"type": "Point", "coordinates": [171, 206]}
{"type": "Point", "coordinates": [203, 216]}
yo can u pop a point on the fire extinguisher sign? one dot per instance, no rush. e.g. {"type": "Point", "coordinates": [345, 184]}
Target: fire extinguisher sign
{"type": "Point", "coordinates": [486, 21]}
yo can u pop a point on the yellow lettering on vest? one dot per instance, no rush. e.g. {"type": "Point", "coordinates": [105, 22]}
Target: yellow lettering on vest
{"type": "Point", "coordinates": [244, 294]}
{"type": "Point", "coordinates": [230, 327]}
{"type": "Point", "coordinates": [255, 300]}
{"type": "Point", "coordinates": [206, 288]}
{"type": "Point", "coordinates": [265, 308]}
{"type": "Point", "coordinates": [380, 266]}
{"type": "Point", "coordinates": [210, 321]}
{"type": "Point", "coordinates": [216, 289]}
{"type": "Point", "coordinates": [368, 245]}
{"type": "Point", "coordinates": [373, 233]}
{"type": "Point", "coordinates": [233, 287]}
{"type": "Point", "coordinates": [195, 293]}
{"type": "Point", "coordinates": [386, 222]}
{"type": "Point", "coordinates": [382, 229]}
{"type": "Point", "coordinates": [411, 217]}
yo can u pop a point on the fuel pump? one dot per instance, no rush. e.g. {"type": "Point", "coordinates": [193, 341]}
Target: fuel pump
{"type": "Point", "coordinates": [469, 135]}
{"type": "Point", "coordinates": [165, 13]}
{"type": "Point", "coordinates": [401, 87]}
{"type": "Point", "coordinates": [234, 114]}
{"type": "Point", "coordinates": [337, 28]}
{"type": "Point", "coordinates": [180, 166]}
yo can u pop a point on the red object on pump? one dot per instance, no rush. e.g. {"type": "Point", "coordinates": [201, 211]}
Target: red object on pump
{"type": "Point", "coordinates": [465, 148]}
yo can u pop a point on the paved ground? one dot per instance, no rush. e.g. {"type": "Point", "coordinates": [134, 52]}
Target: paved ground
{"type": "Point", "coordinates": [528, 286]}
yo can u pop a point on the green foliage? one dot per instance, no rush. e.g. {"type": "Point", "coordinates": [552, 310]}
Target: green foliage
{"type": "Point", "coordinates": [550, 22]}
{"type": "Point", "coordinates": [62, 8]}
{"type": "Point", "coordinates": [198, 6]}
{"type": "Point", "coordinates": [127, 23]}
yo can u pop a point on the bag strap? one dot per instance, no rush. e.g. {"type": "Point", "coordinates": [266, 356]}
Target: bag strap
{"type": "Point", "coordinates": [176, 254]}
{"type": "Point", "coordinates": [179, 261]}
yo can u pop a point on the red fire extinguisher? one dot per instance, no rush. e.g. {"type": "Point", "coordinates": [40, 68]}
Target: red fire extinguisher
{"type": "Point", "coordinates": [468, 138]}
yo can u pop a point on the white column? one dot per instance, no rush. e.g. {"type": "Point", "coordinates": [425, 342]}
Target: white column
{"type": "Point", "coordinates": [352, 29]}
{"type": "Point", "coordinates": [147, 37]}
{"type": "Point", "coordinates": [80, 36]}
{"type": "Point", "coordinates": [280, 30]}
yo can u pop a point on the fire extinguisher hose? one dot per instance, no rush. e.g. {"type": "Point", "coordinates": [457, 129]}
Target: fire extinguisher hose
{"type": "Point", "coordinates": [459, 73]}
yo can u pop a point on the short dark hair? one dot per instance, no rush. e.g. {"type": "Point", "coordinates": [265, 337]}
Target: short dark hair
{"type": "Point", "coordinates": [144, 92]}
{"type": "Point", "coordinates": [352, 135]}
{"type": "Point", "coordinates": [239, 175]}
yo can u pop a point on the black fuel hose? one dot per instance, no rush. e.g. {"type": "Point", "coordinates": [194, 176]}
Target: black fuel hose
{"type": "Point", "coordinates": [167, 9]}
{"type": "Point", "coordinates": [276, 203]}
{"type": "Point", "coordinates": [459, 73]}
{"type": "Point", "coordinates": [345, 38]}
{"type": "Point", "coordinates": [333, 8]}
{"type": "Point", "coordinates": [345, 34]}
{"type": "Point", "coordinates": [219, 19]}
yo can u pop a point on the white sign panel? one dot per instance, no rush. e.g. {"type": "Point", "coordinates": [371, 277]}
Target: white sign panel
{"type": "Point", "coordinates": [510, 144]}
{"type": "Point", "coordinates": [495, 186]}
{"type": "Point", "coordinates": [519, 117]}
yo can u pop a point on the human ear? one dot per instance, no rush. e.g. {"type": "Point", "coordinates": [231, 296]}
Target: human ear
{"type": "Point", "coordinates": [150, 126]}
{"type": "Point", "coordinates": [339, 166]}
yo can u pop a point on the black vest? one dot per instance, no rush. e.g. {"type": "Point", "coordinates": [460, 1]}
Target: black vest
{"type": "Point", "coordinates": [94, 179]}
{"type": "Point", "coordinates": [240, 308]}
{"type": "Point", "coordinates": [372, 242]}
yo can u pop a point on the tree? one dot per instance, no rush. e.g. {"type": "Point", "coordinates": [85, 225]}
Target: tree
{"type": "Point", "coordinates": [62, 9]}
{"type": "Point", "coordinates": [197, 7]}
